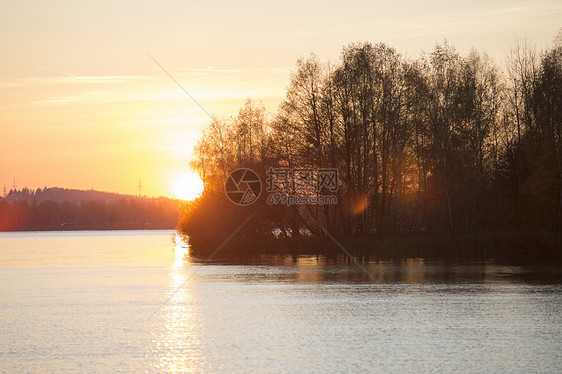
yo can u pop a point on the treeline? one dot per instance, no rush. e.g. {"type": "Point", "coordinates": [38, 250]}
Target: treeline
{"type": "Point", "coordinates": [126, 213]}
{"type": "Point", "coordinates": [62, 194]}
{"type": "Point", "coordinates": [440, 143]}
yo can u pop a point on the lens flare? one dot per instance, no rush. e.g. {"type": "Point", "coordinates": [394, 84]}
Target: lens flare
{"type": "Point", "coordinates": [359, 204]}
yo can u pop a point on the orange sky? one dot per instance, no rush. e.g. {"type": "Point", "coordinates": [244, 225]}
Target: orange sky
{"type": "Point", "coordinates": [83, 105]}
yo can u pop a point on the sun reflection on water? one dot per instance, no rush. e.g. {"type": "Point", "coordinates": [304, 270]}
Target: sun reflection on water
{"type": "Point", "coordinates": [179, 344]}
{"type": "Point", "coordinates": [180, 249]}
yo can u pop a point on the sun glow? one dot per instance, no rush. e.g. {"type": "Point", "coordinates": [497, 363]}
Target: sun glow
{"type": "Point", "coordinates": [188, 186]}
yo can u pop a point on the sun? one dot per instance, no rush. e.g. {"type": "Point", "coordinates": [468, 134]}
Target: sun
{"type": "Point", "coordinates": [188, 186]}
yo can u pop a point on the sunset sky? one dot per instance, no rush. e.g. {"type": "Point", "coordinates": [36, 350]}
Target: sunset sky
{"type": "Point", "coordinates": [83, 105]}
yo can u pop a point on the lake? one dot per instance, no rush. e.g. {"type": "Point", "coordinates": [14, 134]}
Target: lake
{"type": "Point", "coordinates": [134, 301]}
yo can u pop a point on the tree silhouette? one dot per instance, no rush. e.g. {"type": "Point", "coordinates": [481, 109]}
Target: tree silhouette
{"type": "Point", "coordinates": [440, 143]}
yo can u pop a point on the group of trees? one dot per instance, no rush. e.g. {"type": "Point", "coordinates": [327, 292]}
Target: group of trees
{"type": "Point", "coordinates": [29, 211]}
{"type": "Point", "coordinates": [442, 142]}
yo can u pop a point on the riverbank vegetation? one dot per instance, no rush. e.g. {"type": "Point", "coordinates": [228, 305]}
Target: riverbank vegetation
{"type": "Point", "coordinates": [441, 146]}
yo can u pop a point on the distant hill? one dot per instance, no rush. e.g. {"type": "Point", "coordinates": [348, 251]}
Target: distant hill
{"type": "Point", "coordinates": [69, 209]}
{"type": "Point", "coordinates": [64, 194]}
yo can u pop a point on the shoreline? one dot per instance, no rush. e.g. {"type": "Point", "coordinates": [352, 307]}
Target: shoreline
{"type": "Point", "coordinates": [475, 245]}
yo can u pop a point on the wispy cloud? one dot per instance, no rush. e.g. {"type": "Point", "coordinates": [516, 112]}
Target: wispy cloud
{"type": "Point", "coordinates": [71, 80]}
{"type": "Point", "coordinates": [210, 69]}
{"type": "Point", "coordinates": [155, 94]}
{"type": "Point", "coordinates": [529, 9]}
{"type": "Point", "coordinates": [478, 19]}
{"type": "Point", "coordinates": [85, 97]}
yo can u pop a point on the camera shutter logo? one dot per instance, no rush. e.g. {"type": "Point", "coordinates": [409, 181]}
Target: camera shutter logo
{"type": "Point", "coordinates": [242, 186]}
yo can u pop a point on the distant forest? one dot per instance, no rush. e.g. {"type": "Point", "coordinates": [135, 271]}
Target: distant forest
{"type": "Point", "coordinates": [67, 209]}
{"type": "Point", "coordinates": [443, 143]}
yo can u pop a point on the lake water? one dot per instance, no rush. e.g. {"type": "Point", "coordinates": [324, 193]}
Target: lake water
{"type": "Point", "coordinates": [132, 301]}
